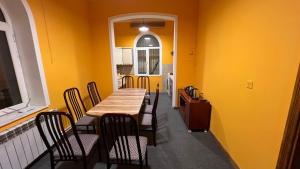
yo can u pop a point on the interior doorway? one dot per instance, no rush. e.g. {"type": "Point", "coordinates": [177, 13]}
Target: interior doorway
{"type": "Point", "coordinates": [145, 45]}
{"type": "Point", "coordinates": [289, 156]}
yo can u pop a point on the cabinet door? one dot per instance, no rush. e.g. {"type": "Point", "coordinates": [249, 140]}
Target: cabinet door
{"type": "Point", "coordinates": [127, 56]}
{"type": "Point", "coordinates": [118, 56]}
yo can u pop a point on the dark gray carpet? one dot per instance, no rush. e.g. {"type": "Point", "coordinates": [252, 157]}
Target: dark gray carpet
{"type": "Point", "coordinates": [176, 148]}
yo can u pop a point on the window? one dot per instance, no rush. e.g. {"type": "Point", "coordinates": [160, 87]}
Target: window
{"type": "Point", "coordinates": [23, 87]}
{"type": "Point", "coordinates": [148, 55]}
{"type": "Point", "coordinates": [12, 87]}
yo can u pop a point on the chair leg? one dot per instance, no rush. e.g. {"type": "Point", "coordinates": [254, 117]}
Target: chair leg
{"type": "Point", "coordinates": [154, 138]}
{"type": "Point", "coordinates": [99, 150]}
{"type": "Point", "coordinates": [108, 165]}
{"type": "Point", "coordinates": [52, 162]}
{"type": "Point", "coordinates": [146, 158]}
{"type": "Point", "coordinates": [94, 129]}
{"type": "Point", "coordinates": [84, 163]}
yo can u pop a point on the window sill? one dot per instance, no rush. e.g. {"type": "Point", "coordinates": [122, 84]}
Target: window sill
{"type": "Point", "coordinates": [6, 118]}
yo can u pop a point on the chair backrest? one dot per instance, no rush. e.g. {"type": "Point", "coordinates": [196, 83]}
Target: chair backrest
{"type": "Point", "coordinates": [93, 92]}
{"type": "Point", "coordinates": [144, 82]}
{"type": "Point", "coordinates": [51, 123]}
{"type": "Point", "coordinates": [127, 82]}
{"type": "Point", "coordinates": [115, 130]}
{"type": "Point", "coordinates": [74, 103]}
{"type": "Point", "coordinates": [154, 119]}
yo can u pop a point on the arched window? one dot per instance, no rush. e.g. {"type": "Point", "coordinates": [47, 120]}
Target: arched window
{"type": "Point", "coordinates": [12, 84]}
{"type": "Point", "coordinates": [23, 87]}
{"type": "Point", "coordinates": [148, 55]}
{"type": "Point", "coordinates": [147, 41]}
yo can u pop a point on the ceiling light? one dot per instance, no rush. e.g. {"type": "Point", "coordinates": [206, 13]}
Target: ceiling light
{"type": "Point", "coordinates": [147, 38]}
{"type": "Point", "coordinates": [143, 28]}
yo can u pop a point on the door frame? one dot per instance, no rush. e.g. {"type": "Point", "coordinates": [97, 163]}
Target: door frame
{"type": "Point", "coordinates": [292, 130]}
{"type": "Point", "coordinates": [149, 15]}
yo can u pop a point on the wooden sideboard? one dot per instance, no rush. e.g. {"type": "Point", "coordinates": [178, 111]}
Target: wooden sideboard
{"type": "Point", "coordinates": [195, 113]}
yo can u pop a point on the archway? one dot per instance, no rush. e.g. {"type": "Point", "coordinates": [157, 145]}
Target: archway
{"type": "Point", "coordinates": [125, 17]}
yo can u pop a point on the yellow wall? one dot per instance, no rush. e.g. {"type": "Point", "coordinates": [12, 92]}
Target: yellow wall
{"type": "Point", "coordinates": [187, 16]}
{"type": "Point", "coordinates": [241, 40]}
{"type": "Point", "coordinates": [66, 48]}
{"type": "Point", "coordinates": [125, 36]}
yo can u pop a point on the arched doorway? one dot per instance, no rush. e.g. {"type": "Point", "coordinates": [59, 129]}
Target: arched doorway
{"type": "Point", "coordinates": [130, 16]}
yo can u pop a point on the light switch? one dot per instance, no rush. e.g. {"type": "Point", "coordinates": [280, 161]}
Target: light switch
{"type": "Point", "coordinates": [250, 84]}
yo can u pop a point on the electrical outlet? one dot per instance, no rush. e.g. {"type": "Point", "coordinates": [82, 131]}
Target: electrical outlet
{"type": "Point", "coordinates": [250, 84]}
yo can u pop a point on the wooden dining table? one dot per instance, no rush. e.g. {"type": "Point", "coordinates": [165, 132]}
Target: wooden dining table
{"type": "Point", "coordinates": [124, 101]}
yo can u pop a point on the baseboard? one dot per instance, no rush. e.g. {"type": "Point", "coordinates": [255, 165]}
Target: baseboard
{"type": "Point", "coordinates": [234, 164]}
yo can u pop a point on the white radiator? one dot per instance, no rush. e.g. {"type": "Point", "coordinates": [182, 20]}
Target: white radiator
{"type": "Point", "coordinates": [21, 145]}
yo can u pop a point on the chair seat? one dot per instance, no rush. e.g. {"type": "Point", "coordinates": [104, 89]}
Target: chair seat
{"type": "Point", "coordinates": [85, 121]}
{"type": "Point", "coordinates": [146, 120]}
{"type": "Point", "coordinates": [134, 155]}
{"type": "Point", "coordinates": [148, 109]}
{"type": "Point", "coordinates": [88, 142]}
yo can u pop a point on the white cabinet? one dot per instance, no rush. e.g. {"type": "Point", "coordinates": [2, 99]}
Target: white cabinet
{"type": "Point", "coordinates": [118, 56]}
{"type": "Point", "coordinates": [127, 56]}
{"type": "Point", "coordinates": [123, 56]}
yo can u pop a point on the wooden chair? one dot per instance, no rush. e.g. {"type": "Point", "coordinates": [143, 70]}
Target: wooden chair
{"type": "Point", "coordinates": [127, 82]}
{"type": "Point", "coordinates": [77, 109]}
{"type": "Point", "coordinates": [144, 82]}
{"type": "Point", "coordinates": [93, 92]}
{"type": "Point", "coordinates": [67, 146]}
{"type": "Point", "coordinates": [149, 118]}
{"type": "Point", "coordinates": [122, 141]}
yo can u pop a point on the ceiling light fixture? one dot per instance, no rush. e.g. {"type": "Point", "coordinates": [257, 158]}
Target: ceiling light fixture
{"type": "Point", "coordinates": [143, 28]}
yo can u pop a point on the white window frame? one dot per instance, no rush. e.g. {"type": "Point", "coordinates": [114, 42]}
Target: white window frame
{"type": "Point", "coordinates": [135, 63]}
{"type": "Point", "coordinates": [7, 28]}
{"type": "Point", "coordinates": [26, 57]}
